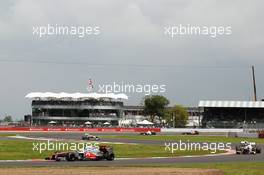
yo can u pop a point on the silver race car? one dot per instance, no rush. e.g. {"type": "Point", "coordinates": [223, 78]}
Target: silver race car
{"type": "Point", "coordinates": [247, 148]}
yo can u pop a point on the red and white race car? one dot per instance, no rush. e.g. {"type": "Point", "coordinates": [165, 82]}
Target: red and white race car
{"type": "Point", "coordinates": [103, 152]}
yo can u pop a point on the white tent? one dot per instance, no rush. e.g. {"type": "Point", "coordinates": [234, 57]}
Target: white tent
{"type": "Point", "coordinates": [126, 122]}
{"type": "Point", "coordinates": [52, 122]}
{"type": "Point", "coordinates": [145, 122]}
{"type": "Point", "coordinates": [106, 123]}
{"type": "Point", "coordinates": [87, 123]}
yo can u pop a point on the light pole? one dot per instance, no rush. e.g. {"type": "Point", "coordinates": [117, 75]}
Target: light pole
{"type": "Point", "coordinates": [173, 120]}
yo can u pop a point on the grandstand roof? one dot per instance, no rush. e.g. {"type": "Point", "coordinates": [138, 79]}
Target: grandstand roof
{"type": "Point", "coordinates": [232, 104]}
{"type": "Point", "coordinates": [63, 95]}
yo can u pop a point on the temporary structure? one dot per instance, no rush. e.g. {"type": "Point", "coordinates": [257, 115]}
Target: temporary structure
{"type": "Point", "coordinates": [87, 123]}
{"type": "Point", "coordinates": [145, 122]}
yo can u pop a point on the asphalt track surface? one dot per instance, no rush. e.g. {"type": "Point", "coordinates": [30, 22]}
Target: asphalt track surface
{"type": "Point", "coordinates": [128, 162]}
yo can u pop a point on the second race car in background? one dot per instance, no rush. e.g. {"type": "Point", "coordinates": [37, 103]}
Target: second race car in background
{"type": "Point", "coordinates": [247, 148]}
{"type": "Point", "coordinates": [90, 137]}
{"type": "Point", "coordinates": [148, 133]}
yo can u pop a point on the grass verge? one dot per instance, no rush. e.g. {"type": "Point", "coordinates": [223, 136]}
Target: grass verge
{"type": "Point", "coordinates": [23, 149]}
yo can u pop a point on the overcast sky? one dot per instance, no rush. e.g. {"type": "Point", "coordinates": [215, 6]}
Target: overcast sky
{"type": "Point", "coordinates": [193, 68]}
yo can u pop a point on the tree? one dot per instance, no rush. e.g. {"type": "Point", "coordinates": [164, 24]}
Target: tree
{"type": "Point", "coordinates": [8, 119]}
{"type": "Point", "coordinates": [155, 106]}
{"type": "Point", "coordinates": [177, 114]}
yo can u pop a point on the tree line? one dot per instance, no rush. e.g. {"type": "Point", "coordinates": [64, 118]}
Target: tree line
{"type": "Point", "coordinates": [156, 107]}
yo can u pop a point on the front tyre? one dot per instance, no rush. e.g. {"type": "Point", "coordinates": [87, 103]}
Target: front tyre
{"type": "Point", "coordinates": [111, 157]}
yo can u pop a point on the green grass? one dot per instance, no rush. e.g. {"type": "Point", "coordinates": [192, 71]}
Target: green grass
{"type": "Point", "coordinates": [151, 151]}
{"type": "Point", "coordinates": [232, 168]}
{"type": "Point", "coordinates": [7, 134]}
{"type": "Point", "coordinates": [187, 138]}
{"type": "Point", "coordinates": [17, 149]}
{"type": "Point", "coordinates": [23, 149]}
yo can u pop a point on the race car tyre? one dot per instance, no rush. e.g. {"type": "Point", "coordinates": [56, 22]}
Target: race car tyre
{"type": "Point", "coordinates": [238, 150]}
{"type": "Point", "coordinates": [70, 157]}
{"type": "Point", "coordinates": [258, 150]}
{"type": "Point", "coordinates": [110, 157]}
{"type": "Point", "coordinates": [53, 157]}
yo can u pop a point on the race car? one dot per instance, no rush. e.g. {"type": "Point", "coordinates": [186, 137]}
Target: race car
{"type": "Point", "coordinates": [148, 133]}
{"type": "Point", "coordinates": [89, 137]}
{"type": "Point", "coordinates": [191, 133]}
{"type": "Point", "coordinates": [103, 152]}
{"type": "Point", "coordinates": [247, 148]}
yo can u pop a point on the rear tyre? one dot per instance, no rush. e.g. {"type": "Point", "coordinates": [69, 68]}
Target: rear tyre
{"type": "Point", "coordinates": [238, 150]}
{"type": "Point", "coordinates": [71, 157]}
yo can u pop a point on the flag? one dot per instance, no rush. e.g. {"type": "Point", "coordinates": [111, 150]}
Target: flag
{"type": "Point", "coordinates": [90, 85]}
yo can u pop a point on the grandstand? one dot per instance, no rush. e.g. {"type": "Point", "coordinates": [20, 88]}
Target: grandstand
{"type": "Point", "coordinates": [232, 114]}
{"type": "Point", "coordinates": [76, 109]}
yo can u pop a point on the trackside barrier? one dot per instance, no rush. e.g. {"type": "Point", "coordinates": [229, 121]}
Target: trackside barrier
{"type": "Point", "coordinates": [215, 130]}
{"type": "Point", "coordinates": [47, 129]}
